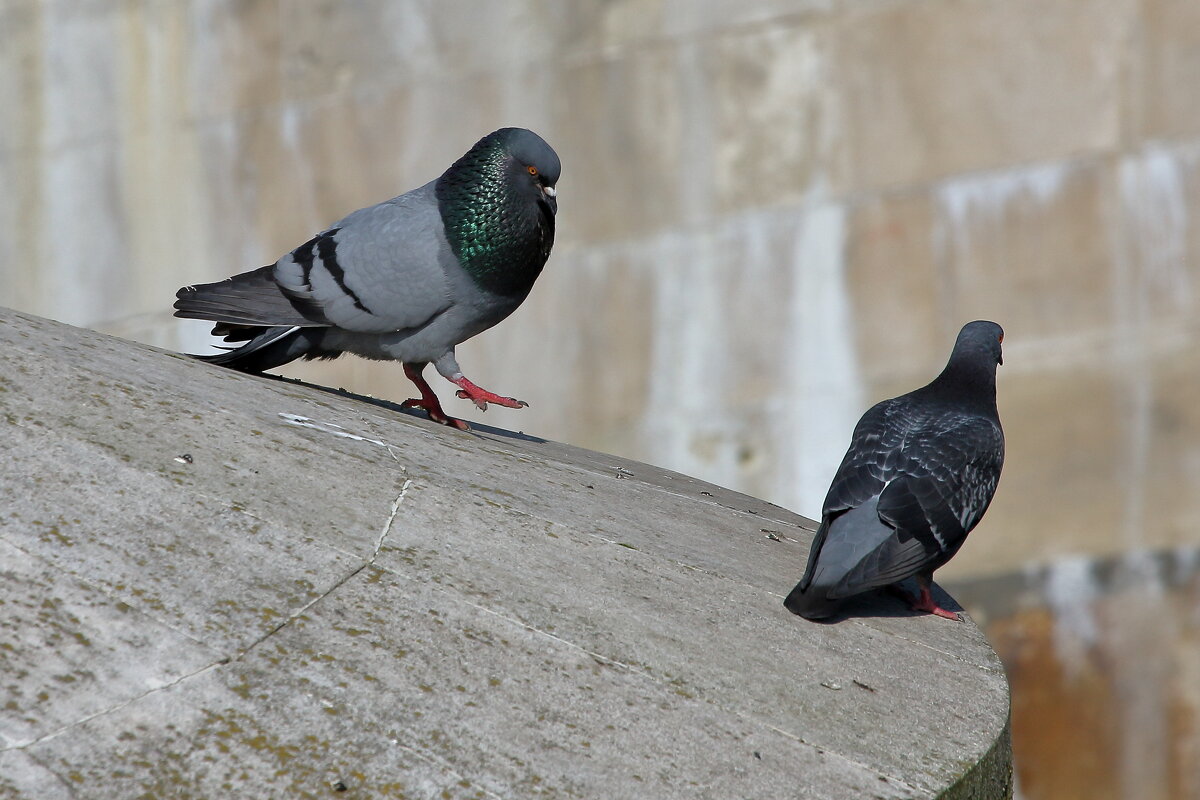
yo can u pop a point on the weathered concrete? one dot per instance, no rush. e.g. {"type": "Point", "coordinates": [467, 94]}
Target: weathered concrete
{"type": "Point", "coordinates": [330, 593]}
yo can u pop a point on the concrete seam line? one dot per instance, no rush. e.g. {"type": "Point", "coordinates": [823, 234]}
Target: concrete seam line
{"type": "Point", "coordinates": [840, 755]}
{"type": "Point", "coordinates": [432, 759]}
{"type": "Point", "coordinates": [926, 645]}
{"type": "Point", "coordinates": [644, 674]}
{"type": "Point", "coordinates": [116, 707]}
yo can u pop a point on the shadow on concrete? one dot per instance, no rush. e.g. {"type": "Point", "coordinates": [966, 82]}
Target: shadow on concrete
{"type": "Point", "coordinates": [886, 604]}
{"type": "Point", "coordinates": [476, 427]}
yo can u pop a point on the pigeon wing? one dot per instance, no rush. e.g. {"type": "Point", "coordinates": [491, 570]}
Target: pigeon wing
{"type": "Point", "coordinates": [943, 489]}
{"type": "Point", "coordinates": [870, 460]}
{"type": "Point", "coordinates": [863, 474]}
{"type": "Point", "coordinates": [252, 298]}
{"type": "Point", "coordinates": [381, 269]}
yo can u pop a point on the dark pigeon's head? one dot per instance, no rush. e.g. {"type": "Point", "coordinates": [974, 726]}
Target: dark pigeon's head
{"type": "Point", "coordinates": [980, 337]}
{"type": "Point", "coordinates": [533, 166]}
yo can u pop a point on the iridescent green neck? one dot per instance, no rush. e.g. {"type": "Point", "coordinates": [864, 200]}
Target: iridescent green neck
{"type": "Point", "coordinates": [501, 238]}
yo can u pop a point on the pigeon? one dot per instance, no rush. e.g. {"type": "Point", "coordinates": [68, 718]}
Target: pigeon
{"type": "Point", "coordinates": [919, 475]}
{"type": "Point", "coordinates": [404, 280]}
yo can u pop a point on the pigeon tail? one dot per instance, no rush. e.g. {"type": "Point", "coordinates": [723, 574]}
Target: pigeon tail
{"type": "Point", "coordinates": [251, 298]}
{"type": "Point", "coordinates": [810, 603]}
{"type": "Point", "coordinates": [269, 348]}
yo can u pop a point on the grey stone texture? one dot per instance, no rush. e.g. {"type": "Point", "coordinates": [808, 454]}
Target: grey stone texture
{"type": "Point", "coordinates": [214, 584]}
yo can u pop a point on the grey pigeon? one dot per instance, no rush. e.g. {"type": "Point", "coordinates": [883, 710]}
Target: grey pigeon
{"type": "Point", "coordinates": [919, 475]}
{"type": "Point", "coordinates": [404, 280]}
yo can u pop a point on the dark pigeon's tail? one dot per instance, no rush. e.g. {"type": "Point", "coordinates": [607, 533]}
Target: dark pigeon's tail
{"type": "Point", "coordinates": [811, 604]}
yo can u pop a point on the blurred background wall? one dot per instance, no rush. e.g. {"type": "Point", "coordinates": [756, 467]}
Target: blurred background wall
{"type": "Point", "coordinates": [772, 214]}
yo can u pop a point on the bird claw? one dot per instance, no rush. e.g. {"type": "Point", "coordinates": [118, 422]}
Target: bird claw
{"type": "Point", "coordinates": [925, 602]}
{"type": "Point", "coordinates": [436, 414]}
{"type": "Point", "coordinates": [481, 397]}
{"type": "Point", "coordinates": [481, 400]}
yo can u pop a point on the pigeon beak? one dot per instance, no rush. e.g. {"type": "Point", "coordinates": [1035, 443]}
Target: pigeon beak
{"type": "Point", "coordinates": [548, 195]}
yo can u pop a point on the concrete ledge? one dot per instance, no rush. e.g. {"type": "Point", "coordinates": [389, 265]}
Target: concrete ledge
{"type": "Point", "coordinates": [330, 598]}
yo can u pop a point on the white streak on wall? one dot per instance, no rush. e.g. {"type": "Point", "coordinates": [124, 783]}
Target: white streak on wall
{"type": "Point", "coordinates": [753, 354]}
{"type": "Point", "coordinates": [974, 204]}
{"type": "Point", "coordinates": [1152, 278]}
{"type": "Point", "coordinates": [822, 395]}
{"type": "Point", "coordinates": [1153, 199]}
{"type": "Point", "coordinates": [1071, 594]}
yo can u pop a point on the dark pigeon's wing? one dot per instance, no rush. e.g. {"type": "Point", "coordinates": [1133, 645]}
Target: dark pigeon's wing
{"type": "Point", "coordinates": [865, 470]}
{"type": "Point", "coordinates": [871, 460]}
{"type": "Point", "coordinates": [943, 489]}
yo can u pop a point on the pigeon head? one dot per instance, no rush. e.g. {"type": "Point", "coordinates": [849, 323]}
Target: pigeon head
{"type": "Point", "coordinates": [498, 203]}
{"type": "Point", "coordinates": [981, 339]}
{"type": "Point", "coordinates": [535, 166]}
{"type": "Point", "coordinates": [971, 370]}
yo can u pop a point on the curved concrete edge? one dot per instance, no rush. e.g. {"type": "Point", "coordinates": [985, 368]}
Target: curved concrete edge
{"type": "Point", "coordinates": [215, 583]}
{"type": "Point", "coordinates": [991, 777]}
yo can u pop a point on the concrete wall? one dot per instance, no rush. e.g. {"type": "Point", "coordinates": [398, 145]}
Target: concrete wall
{"type": "Point", "coordinates": [772, 213]}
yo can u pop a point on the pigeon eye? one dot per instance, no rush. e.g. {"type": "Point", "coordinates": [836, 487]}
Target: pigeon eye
{"type": "Point", "coordinates": [532, 169]}
{"type": "Point", "coordinates": [1001, 339]}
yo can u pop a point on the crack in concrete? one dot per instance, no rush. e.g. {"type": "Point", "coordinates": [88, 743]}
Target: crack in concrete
{"type": "Point", "coordinates": [387, 527]}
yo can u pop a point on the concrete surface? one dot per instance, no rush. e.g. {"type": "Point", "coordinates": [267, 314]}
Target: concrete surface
{"type": "Point", "coordinates": [330, 598]}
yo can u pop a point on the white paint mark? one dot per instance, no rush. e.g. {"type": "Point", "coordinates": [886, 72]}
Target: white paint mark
{"type": "Point", "coordinates": [334, 430]}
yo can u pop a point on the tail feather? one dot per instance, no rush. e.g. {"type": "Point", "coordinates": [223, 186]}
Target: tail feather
{"type": "Point", "coordinates": [268, 348]}
{"type": "Point", "coordinates": [252, 298]}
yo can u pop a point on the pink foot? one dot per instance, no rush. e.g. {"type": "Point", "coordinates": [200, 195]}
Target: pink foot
{"type": "Point", "coordinates": [481, 397]}
{"type": "Point", "coordinates": [925, 602]}
{"type": "Point", "coordinates": [429, 400]}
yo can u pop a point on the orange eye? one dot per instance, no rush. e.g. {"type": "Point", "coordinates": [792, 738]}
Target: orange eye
{"type": "Point", "coordinates": [1002, 338]}
{"type": "Point", "coordinates": [532, 169]}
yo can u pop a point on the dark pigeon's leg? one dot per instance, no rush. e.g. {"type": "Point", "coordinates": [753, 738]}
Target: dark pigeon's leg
{"type": "Point", "coordinates": [429, 400]}
{"type": "Point", "coordinates": [481, 397]}
{"type": "Point", "coordinates": [925, 601]}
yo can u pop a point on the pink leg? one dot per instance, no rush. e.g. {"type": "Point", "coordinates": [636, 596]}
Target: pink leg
{"type": "Point", "coordinates": [482, 397]}
{"type": "Point", "coordinates": [429, 400]}
{"type": "Point", "coordinates": [925, 601]}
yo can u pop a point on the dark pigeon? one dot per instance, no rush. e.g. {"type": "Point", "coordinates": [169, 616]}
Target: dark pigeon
{"type": "Point", "coordinates": [919, 475]}
{"type": "Point", "coordinates": [404, 280]}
